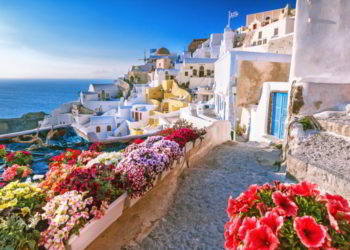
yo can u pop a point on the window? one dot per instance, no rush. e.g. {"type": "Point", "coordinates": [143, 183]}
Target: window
{"type": "Point", "coordinates": [208, 72]}
{"type": "Point", "coordinates": [254, 43]}
{"type": "Point", "coordinates": [259, 42]}
{"type": "Point", "coordinates": [260, 34]}
{"type": "Point", "coordinates": [254, 26]}
{"type": "Point", "coordinates": [186, 73]}
{"type": "Point", "coordinates": [201, 71]}
{"type": "Point", "coordinates": [191, 67]}
{"type": "Point", "coordinates": [99, 96]}
{"type": "Point", "coordinates": [171, 77]}
{"type": "Point", "coordinates": [109, 128]}
{"type": "Point", "coordinates": [194, 72]}
{"type": "Point", "coordinates": [275, 33]}
{"type": "Point", "coordinates": [265, 41]}
{"type": "Point", "coordinates": [98, 129]}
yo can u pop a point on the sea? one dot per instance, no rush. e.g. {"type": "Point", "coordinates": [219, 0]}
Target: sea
{"type": "Point", "coordinates": [18, 97]}
{"type": "Point", "coordinates": [21, 96]}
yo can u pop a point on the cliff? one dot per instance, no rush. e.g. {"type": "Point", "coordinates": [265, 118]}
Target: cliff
{"type": "Point", "coordinates": [25, 122]}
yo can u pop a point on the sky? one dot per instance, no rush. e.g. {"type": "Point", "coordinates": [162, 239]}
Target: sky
{"type": "Point", "coordinates": [95, 39]}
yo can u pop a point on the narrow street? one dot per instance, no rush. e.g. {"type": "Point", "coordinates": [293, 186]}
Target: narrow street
{"type": "Point", "coordinates": [196, 218]}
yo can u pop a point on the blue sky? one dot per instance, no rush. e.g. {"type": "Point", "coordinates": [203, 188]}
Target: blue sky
{"type": "Point", "coordinates": [103, 38]}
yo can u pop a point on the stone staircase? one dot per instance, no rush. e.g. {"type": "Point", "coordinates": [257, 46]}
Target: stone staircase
{"type": "Point", "coordinates": [324, 157]}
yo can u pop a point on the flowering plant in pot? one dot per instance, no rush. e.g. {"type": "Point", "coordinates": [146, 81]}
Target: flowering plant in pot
{"type": "Point", "coordinates": [107, 159]}
{"type": "Point", "coordinates": [69, 157]}
{"type": "Point", "coordinates": [97, 147]}
{"type": "Point", "coordinates": [21, 198]}
{"type": "Point", "coordinates": [2, 151]}
{"type": "Point", "coordinates": [182, 136]}
{"type": "Point", "coordinates": [22, 158]}
{"type": "Point", "coordinates": [65, 215]}
{"type": "Point", "coordinates": [95, 181]}
{"type": "Point", "coordinates": [170, 148]}
{"type": "Point", "coordinates": [287, 217]}
{"type": "Point", "coordinates": [139, 169]}
{"type": "Point", "coordinates": [87, 156]}
{"type": "Point", "coordinates": [16, 172]}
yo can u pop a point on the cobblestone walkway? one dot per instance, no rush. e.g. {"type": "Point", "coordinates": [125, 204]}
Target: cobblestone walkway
{"type": "Point", "coordinates": [197, 216]}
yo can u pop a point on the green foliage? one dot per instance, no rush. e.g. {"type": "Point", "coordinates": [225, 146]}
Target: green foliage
{"type": "Point", "coordinates": [289, 238]}
{"type": "Point", "coordinates": [15, 234]}
{"type": "Point", "coordinates": [307, 124]}
{"type": "Point", "coordinates": [266, 197]}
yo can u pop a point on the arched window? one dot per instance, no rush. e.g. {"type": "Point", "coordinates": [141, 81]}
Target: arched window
{"type": "Point", "coordinates": [98, 129]}
{"type": "Point", "coordinates": [109, 128]}
{"type": "Point", "coordinates": [194, 72]}
{"type": "Point", "coordinates": [201, 71]}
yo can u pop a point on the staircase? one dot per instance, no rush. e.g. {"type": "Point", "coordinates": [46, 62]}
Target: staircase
{"type": "Point", "coordinates": [324, 157]}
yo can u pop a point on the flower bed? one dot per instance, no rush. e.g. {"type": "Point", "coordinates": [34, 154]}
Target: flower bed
{"type": "Point", "coordinates": [287, 217]}
{"type": "Point", "coordinates": [82, 192]}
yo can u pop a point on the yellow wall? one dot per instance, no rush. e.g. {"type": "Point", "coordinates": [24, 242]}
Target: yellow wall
{"type": "Point", "coordinates": [136, 131]}
{"type": "Point", "coordinates": [179, 92]}
{"type": "Point", "coordinates": [167, 85]}
{"type": "Point", "coordinates": [154, 93]}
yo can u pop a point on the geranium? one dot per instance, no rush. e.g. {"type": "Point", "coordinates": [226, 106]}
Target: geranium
{"type": "Point", "coordinates": [138, 141]}
{"type": "Point", "coordinates": [284, 205]}
{"type": "Point", "coordinates": [262, 238]}
{"type": "Point", "coordinates": [183, 135]}
{"type": "Point", "coordinates": [2, 150]}
{"type": "Point", "coordinates": [97, 147]}
{"type": "Point", "coordinates": [66, 214]}
{"type": "Point", "coordinates": [70, 157]}
{"type": "Point", "coordinates": [22, 158]}
{"type": "Point", "coordinates": [16, 196]}
{"type": "Point", "coordinates": [310, 233]}
{"type": "Point", "coordinates": [16, 172]}
{"type": "Point", "coordinates": [287, 217]}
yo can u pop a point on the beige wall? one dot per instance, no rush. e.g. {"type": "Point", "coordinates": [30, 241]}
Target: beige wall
{"type": "Point", "coordinates": [164, 63]}
{"type": "Point", "coordinates": [252, 75]}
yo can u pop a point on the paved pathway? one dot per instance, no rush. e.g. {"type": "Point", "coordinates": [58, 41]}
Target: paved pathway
{"type": "Point", "coordinates": [197, 216]}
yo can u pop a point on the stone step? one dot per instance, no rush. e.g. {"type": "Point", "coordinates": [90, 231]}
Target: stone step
{"type": "Point", "coordinates": [337, 122]}
{"type": "Point", "coordinates": [323, 159]}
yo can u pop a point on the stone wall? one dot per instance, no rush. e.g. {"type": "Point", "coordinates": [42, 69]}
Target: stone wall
{"type": "Point", "coordinates": [252, 75]}
{"type": "Point", "coordinates": [25, 122]}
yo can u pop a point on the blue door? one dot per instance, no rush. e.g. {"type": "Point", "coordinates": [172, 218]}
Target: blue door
{"type": "Point", "coordinates": [279, 113]}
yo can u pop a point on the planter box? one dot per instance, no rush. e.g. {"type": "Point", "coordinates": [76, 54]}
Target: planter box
{"type": "Point", "coordinates": [132, 201]}
{"type": "Point", "coordinates": [188, 146]}
{"type": "Point", "coordinates": [164, 174]}
{"type": "Point", "coordinates": [96, 226]}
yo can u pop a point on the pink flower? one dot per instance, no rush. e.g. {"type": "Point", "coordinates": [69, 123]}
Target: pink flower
{"type": "Point", "coordinates": [310, 233]}
{"type": "Point", "coordinates": [284, 205]}
{"type": "Point", "coordinates": [304, 189]}
{"type": "Point", "coordinates": [261, 238]}
{"type": "Point", "coordinates": [247, 225]}
{"type": "Point", "coordinates": [273, 221]}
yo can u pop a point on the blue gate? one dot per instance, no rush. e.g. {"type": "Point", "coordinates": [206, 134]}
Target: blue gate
{"type": "Point", "coordinates": [279, 113]}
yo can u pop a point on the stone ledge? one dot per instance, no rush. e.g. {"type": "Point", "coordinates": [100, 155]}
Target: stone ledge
{"type": "Point", "coordinates": [326, 179]}
{"type": "Point", "coordinates": [340, 126]}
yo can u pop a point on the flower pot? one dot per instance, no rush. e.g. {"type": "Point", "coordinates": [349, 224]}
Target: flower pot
{"type": "Point", "coordinates": [96, 226]}
{"type": "Point", "coordinates": [164, 174]}
{"type": "Point", "coordinates": [131, 202]}
{"type": "Point", "coordinates": [188, 146]}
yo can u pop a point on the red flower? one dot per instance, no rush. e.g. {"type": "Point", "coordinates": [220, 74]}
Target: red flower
{"type": "Point", "coordinates": [262, 238]}
{"type": "Point", "coordinates": [231, 232]}
{"type": "Point", "coordinates": [247, 225]}
{"type": "Point", "coordinates": [284, 205]}
{"type": "Point", "coordinates": [273, 221]}
{"type": "Point", "coordinates": [138, 141]}
{"type": "Point", "coordinates": [337, 205]}
{"type": "Point", "coordinates": [235, 206]}
{"type": "Point", "coordinates": [304, 189]}
{"type": "Point", "coordinates": [310, 233]}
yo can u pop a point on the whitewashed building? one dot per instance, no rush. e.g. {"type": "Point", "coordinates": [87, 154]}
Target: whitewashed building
{"type": "Point", "coordinates": [210, 48]}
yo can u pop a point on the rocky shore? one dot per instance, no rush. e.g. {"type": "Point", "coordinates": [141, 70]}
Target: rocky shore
{"type": "Point", "coordinates": [25, 122]}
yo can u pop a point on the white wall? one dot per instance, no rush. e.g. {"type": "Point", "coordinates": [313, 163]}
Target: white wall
{"type": "Point", "coordinates": [321, 43]}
